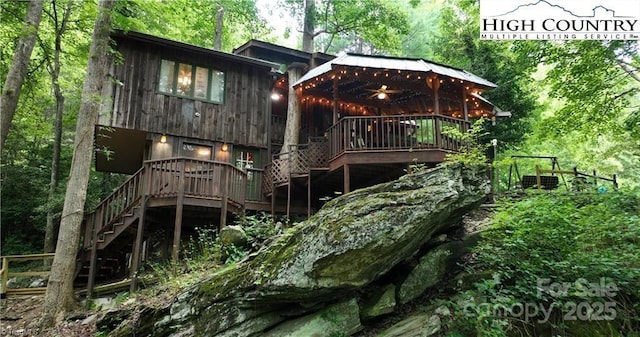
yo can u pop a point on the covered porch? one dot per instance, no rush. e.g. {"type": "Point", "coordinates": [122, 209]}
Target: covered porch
{"type": "Point", "coordinates": [363, 116]}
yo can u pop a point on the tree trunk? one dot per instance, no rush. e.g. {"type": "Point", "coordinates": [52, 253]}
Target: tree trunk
{"type": "Point", "coordinates": [59, 297]}
{"type": "Point", "coordinates": [309, 26]}
{"type": "Point", "coordinates": [292, 128]}
{"type": "Point", "coordinates": [217, 40]}
{"type": "Point", "coordinates": [19, 67]}
{"type": "Point", "coordinates": [60, 27]}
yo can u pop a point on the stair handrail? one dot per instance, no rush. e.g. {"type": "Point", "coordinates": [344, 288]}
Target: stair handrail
{"type": "Point", "coordinates": [131, 189]}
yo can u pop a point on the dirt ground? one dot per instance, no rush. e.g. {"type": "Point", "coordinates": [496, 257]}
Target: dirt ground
{"type": "Point", "coordinates": [19, 316]}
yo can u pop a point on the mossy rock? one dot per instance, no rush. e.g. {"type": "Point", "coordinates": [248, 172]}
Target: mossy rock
{"type": "Point", "coordinates": [349, 243]}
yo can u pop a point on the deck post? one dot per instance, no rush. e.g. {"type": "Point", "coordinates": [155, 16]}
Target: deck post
{"type": "Point", "coordinates": [437, 131]}
{"type": "Point", "coordinates": [225, 197]}
{"type": "Point", "coordinates": [137, 246]}
{"type": "Point", "coordinates": [335, 100]}
{"type": "Point", "coordinates": [4, 277]}
{"type": "Point", "coordinates": [347, 179]}
{"type": "Point", "coordinates": [179, 205]}
{"type": "Point", "coordinates": [435, 85]}
{"type": "Point", "coordinates": [93, 256]}
{"type": "Point", "coordinates": [289, 193]}
{"type": "Point", "coordinates": [465, 107]}
{"type": "Point", "coordinates": [309, 195]}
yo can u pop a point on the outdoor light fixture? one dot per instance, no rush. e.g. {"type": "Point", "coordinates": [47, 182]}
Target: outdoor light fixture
{"type": "Point", "coordinates": [163, 139]}
{"type": "Point", "coordinates": [275, 96]}
{"type": "Point", "coordinates": [225, 147]}
{"type": "Point", "coordinates": [382, 95]}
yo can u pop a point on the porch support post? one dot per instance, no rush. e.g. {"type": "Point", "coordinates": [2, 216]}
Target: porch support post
{"type": "Point", "coordinates": [178, 220]}
{"type": "Point", "coordinates": [289, 191]}
{"type": "Point", "coordinates": [465, 107]}
{"type": "Point", "coordinates": [93, 256]}
{"type": "Point", "coordinates": [347, 179]}
{"type": "Point", "coordinates": [335, 100]}
{"type": "Point", "coordinates": [224, 208]}
{"type": "Point", "coordinates": [309, 195]}
{"type": "Point", "coordinates": [137, 246]}
{"type": "Point", "coordinates": [435, 84]}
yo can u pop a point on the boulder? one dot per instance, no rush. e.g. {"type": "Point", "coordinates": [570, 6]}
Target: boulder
{"type": "Point", "coordinates": [233, 235]}
{"type": "Point", "coordinates": [430, 270]}
{"type": "Point", "coordinates": [379, 303]}
{"type": "Point", "coordinates": [418, 325]}
{"type": "Point", "coordinates": [351, 242]}
{"type": "Point", "coordinates": [342, 319]}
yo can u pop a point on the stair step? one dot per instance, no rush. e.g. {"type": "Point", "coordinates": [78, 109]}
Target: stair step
{"type": "Point", "coordinates": [108, 233]}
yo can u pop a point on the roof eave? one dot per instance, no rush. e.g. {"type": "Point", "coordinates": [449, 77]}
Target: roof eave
{"type": "Point", "coordinates": [181, 45]}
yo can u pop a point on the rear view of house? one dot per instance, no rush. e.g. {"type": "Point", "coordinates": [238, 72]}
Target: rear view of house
{"type": "Point", "coordinates": [201, 132]}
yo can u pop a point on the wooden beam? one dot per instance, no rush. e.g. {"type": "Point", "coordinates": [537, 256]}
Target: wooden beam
{"type": "Point", "coordinates": [347, 179]}
{"type": "Point", "coordinates": [224, 207]}
{"type": "Point", "coordinates": [93, 255]}
{"type": "Point", "coordinates": [177, 230]}
{"type": "Point", "coordinates": [137, 246]}
{"type": "Point", "coordinates": [435, 86]}
{"type": "Point", "coordinates": [309, 195]}
{"type": "Point", "coordinates": [465, 107]}
{"type": "Point", "coordinates": [335, 100]}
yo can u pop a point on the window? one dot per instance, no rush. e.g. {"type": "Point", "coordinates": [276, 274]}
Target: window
{"type": "Point", "coordinates": [196, 151]}
{"type": "Point", "coordinates": [191, 81]}
{"type": "Point", "coordinates": [246, 159]}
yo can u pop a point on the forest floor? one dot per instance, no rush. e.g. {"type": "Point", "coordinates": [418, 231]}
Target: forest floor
{"type": "Point", "coordinates": [19, 316]}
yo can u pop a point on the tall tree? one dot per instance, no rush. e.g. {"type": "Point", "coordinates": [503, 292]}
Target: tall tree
{"type": "Point", "coordinates": [59, 297]}
{"type": "Point", "coordinates": [380, 23]}
{"type": "Point", "coordinates": [60, 21]}
{"type": "Point", "coordinates": [19, 67]}
{"type": "Point", "coordinates": [502, 63]}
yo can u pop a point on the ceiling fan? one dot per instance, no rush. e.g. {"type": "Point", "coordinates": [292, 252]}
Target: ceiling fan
{"type": "Point", "coordinates": [383, 92]}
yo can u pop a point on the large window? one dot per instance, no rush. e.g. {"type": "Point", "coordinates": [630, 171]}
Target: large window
{"type": "Point", "coordinates": [246, 159]}
{"type": "Point", "coordinates": [191, 81]}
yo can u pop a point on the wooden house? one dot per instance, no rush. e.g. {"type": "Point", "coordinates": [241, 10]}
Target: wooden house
{"type": "Point", "coordinates": [200, 131]}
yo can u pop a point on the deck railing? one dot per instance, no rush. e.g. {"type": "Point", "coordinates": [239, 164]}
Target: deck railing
{"type": "Point", "coordinates": [161, 179]}
{"type": "Point", "coordinates": [41, 270]}
{"type": "Point", "coordinates": [114, 206]}
{"type": "Point", "coordinates": [202, 179]}
{"type": "Point", "coordinates": [400, 132]}
{"type": "Point", "coordinates": [255, 178]}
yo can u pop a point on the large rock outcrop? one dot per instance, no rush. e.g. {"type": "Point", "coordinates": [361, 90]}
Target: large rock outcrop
{"type": "Point", "coordinates": [350, 243]}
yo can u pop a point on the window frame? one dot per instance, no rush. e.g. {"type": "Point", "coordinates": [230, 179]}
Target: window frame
{"type": "Point", "coordinates": [176, 74]}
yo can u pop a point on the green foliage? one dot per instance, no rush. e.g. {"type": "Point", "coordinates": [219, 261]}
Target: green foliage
{"type": "Point", "coordinates": [192, 21]}
{"type": "Point", "coordinates": [473, 152]}
{"type": "Point", "coordinates": [364, 26]}
{"type": "Point", "coordinates": [504, 63]}
{"type": "Point", "coordinates": [587, 241]}
{"type": "Point", "coordinates": [259, 227]}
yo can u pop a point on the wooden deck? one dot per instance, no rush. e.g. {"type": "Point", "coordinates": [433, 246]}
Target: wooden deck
{"type": "Point", "coordinates": [373, 140]}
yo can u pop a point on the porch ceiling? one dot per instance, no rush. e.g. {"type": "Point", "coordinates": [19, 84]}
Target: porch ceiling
{"type": "Point", "coordinates": [396, 64]}
{"type": "Point", "coordinates": [358, 79]}
{"type": "Point", "coordinates": [119, 150]}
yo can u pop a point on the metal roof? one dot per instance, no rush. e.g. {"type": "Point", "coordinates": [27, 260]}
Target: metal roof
{"type": "Point", "coordinates": [495, 107]}
{"type": "Point", "coordinates": [384, 62]}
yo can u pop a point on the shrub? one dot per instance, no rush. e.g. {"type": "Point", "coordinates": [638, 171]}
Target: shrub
{"type": "Point", "coordinates": [572, 252]}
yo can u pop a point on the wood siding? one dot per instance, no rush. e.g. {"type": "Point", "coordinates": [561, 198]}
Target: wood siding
{"type": "Point", "coordinates": [243, 118]}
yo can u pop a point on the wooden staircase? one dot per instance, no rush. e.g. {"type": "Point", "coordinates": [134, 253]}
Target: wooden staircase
{"type": "Point", "coordinates": [115, 228]}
